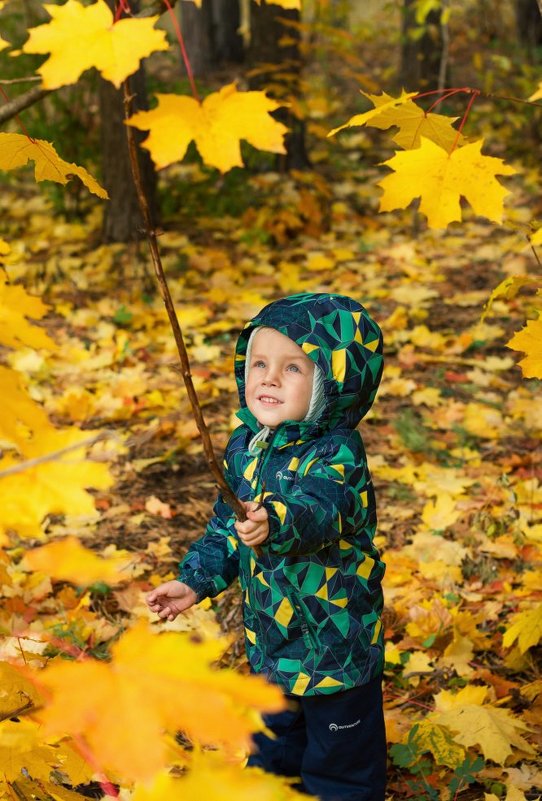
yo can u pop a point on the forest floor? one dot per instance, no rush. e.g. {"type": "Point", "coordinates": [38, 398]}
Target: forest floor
{"type": "Point", "coordinates": [453, 439]}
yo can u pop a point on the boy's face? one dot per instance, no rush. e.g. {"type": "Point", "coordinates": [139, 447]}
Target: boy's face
{"type": "Point", "coordinates": [279, 382]}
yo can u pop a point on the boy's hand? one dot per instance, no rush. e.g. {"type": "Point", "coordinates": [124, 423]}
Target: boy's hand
{"type": "Point", "coordinates": [255, 529]}
{"type": "Point", "coordinates": [170, 599]}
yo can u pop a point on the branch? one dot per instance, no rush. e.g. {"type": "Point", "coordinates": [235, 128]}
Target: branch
{"type": "Point", "coordinates": [152, 241]}
{"type": "Point", "coordinates": [11, 109]}
{"type": "Point", "coordinates": [51, 457]}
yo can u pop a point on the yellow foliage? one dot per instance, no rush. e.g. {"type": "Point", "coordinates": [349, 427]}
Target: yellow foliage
{"type": "Point", "coordinates": [529, 340]}
{"type": "Point", "coordinates": [80, 37]}
{"type": "Point", "coordinates": [440, 513]}
{"type": "Point", "coordinates": [209, 777]}
{"type": "Point", "coordinates": [526, 628]}
{"type": "Point", "coordinates": [16, 150]}
{"type": "Point", "coordinates": [16, 305]}
{"type": "Point", "coordinates": [57, 486]}
{"type": "Point", "coordinates": [68, 560]}
{"type": "Point", "coordinates": [441, 178]}
{"type": "Point", "coordinates": [180, 690]}
{"type": "Point", "coordinates": [382, 103]}
{"type": "Point", "coordinates": [217, 126]}
{"type": "Point", "coordinates": [495, 730]}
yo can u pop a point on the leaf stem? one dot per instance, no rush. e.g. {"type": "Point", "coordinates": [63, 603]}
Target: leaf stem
{"type": "Point", "coordinates": [180, 39]}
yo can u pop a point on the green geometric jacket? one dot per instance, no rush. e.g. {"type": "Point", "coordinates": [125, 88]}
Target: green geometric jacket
{"type": "Point", "coordinates": [313, 597]}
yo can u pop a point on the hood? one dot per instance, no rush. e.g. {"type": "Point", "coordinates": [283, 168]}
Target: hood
{"type": "Point", "coordinates": [340, 336]}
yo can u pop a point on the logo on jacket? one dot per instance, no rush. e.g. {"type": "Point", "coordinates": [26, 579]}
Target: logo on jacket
{"type": "Point", "coordinates": [279, 474]}
{"type": "Point", "coordinates": [335, 727]}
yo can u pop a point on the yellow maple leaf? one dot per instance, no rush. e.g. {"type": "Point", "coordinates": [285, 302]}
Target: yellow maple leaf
{"type": "Point", "coordinates": [508, 289]}
{"type": "Point", "coordinates": [536, 238]}
{"type": "Point", "coordinates": [529, 340]}
{"type": "Point", "coordinates": [58, 486]}
{"type": "Point", "coordinates": [15, 306]}
{"type": "Point", "coordinates": [441, 178]}
{"type": "Point", "coordinates": [216, 125]}
{"type": "Point", "coordinates": [80, 37]}
{"type": "Point", "coordinates": [23, 750]}
{"type": "Point", "coordinates": [20, 414]}
{"type": "Point", "coordinates": [494, 730]}
{"type": "Point", "coordinates": [440, 513]}
{"type": "Point", "coordinates": [181, 691]}
{"type": "Point", "coordinates": [537, 94]}
{"type": "Point", "coordinates": [438, 741]}
{"type": "Point", "coordinates": [382, 103]}
{"type": "Point", "coordinates": [207, 773]}
{"type": "Point", "coordinates": [4, 247]}
{"type": "Point", "coordinates": [68, 560]}
{"type": "Point", "coordinates": [413, 123]}
{"type": "Point", "coordinates": [526, 628]}
{"type": "Point", "coordinates": [16, 150]}
{"type": "Point", "coordinates": [4, 44]}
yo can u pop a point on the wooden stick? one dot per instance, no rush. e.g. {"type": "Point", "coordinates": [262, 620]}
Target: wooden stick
{"type": "Point", "coordinates": [152, 241]}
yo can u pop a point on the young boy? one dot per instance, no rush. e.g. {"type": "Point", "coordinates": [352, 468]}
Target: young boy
{"type": "Point", "coordinates": [307, 369]}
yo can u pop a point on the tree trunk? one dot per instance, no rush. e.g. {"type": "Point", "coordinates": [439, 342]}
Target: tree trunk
{"type": "Point", "coordinates": [196, 26]}
{"type": "Point", "coordinates": [122, 219]}
{"type": "Point", "coordinates": [421, 57]}
{"type": "Point", "coordinates": [529, 26]}
{"type": "Point", "coordinates": [280, 69]}
{"type": "Point", "coordinates": [226, 39]}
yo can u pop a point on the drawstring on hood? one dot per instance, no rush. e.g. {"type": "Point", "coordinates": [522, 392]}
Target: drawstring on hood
{"type": "Point", "coordinates": [345, 344]}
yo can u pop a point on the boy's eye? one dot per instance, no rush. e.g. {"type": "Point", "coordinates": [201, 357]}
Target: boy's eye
{"type": "Point", "coordinates": [294, 368]}
{"type": "Point", "coordinates": [258, 363]}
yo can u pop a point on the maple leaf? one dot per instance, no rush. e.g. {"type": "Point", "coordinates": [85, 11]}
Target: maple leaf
{"type": "Point", "coordinates": [536, 238]}
{"type": "Point", "coordinates": [537, 94]}
{"type": "Point", "coordinates": [526, 628]}
{"type": "Point", "coordinates": [207, 773]}
{"type": "Point", "coordinates": [52, 487]}
{"type": "Point", "coordinates": [385, 103]}
{"type": "Point", "coordinates": [438, 741]}
{"type": "Point", "coordinates": [440, 513]}
{"type": "Point", "coordinates": [80, 37]}
{"type": "Point", "coordinates": [508, 289]}
{"type": "Point", "coordinates": [413, 123]}
{"type": "Point", "coordinates": [18, 408]}
{"type": "Point", "coordinates": [495, 730]}
{"type": "Point", "coordinates": [441, 178]}
{"type": "Point", "coordinates": [181, 691]}
{"type": "Point", "coordinates": [4, 44]}
{"type": "Point", "coordinates": [216, 125]}
{"type": "Point", "coordinates": [529, 340]}
{"type": "Point", "coordinates": [16, 150]}
{"type": "Point", "coordinates": [15, 306]}
{"type": "Point", "coordinates": [68, 560]}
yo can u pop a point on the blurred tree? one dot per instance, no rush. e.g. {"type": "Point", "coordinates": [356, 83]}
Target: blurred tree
{"type": "Point", "coordinates": [423, 49]}
{"type": "Point", "coordinates": [529, 24]}
{"type": "Point", "coordinates": [276, 63]}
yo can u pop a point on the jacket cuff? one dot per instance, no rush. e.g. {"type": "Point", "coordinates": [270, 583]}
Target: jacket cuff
{"type": "Point", "coordinates": [201, 585]}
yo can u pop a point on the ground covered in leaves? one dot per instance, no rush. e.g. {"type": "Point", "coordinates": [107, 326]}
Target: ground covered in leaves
{"type": "Point", "coordinates": [453, 439]}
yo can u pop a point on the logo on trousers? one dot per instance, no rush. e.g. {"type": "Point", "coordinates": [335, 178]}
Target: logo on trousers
{"type": "Point", "coordinates": [336, 727]}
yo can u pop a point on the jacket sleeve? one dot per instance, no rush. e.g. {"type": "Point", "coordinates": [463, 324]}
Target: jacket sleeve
{"type": "Point", "coordinates": [332, 498]}
{"type": "Point", "coordinates": [212, 562]}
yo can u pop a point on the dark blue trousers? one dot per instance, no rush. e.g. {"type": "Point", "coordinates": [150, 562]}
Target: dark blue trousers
{"type": "Point", "coordinates": [336, 743]}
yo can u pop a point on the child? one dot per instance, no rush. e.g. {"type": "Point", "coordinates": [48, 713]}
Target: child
{"type": "Point", "coordinates": [307, 370]}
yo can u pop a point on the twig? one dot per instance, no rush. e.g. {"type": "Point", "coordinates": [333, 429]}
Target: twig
{"type": "Point", "coordinates": [50, 457]}
{"type": "Point", "coordinates": [28, 79]}
{"type": "Point", "coordinates": [152, 241]}
{"type": "Point", "coordinates": [27, 99]}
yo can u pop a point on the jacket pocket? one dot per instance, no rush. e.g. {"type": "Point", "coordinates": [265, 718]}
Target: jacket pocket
{"type": "Point", "coordinates": [307, 628]}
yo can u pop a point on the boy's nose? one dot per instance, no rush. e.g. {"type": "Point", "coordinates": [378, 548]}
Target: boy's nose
{"type": "Point", "coordinates": [270, 377]}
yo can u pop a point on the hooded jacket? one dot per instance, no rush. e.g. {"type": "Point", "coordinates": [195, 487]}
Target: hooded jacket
{"type": "Point", "coordinates": [312, 596]}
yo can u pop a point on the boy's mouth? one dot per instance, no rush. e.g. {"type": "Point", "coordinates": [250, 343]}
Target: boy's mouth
{"type": "Point", "coordinates": [270, 400]}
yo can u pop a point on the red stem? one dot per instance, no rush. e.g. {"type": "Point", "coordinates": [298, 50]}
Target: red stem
{"type": "Point", "coordinates": [122, 7]}
{"type": "Point", "coordinates": [180, 39]}
{"type": "Point", "coordinates": [22, 126]}
{"type": "Point", "coordinates": [475, 94]}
